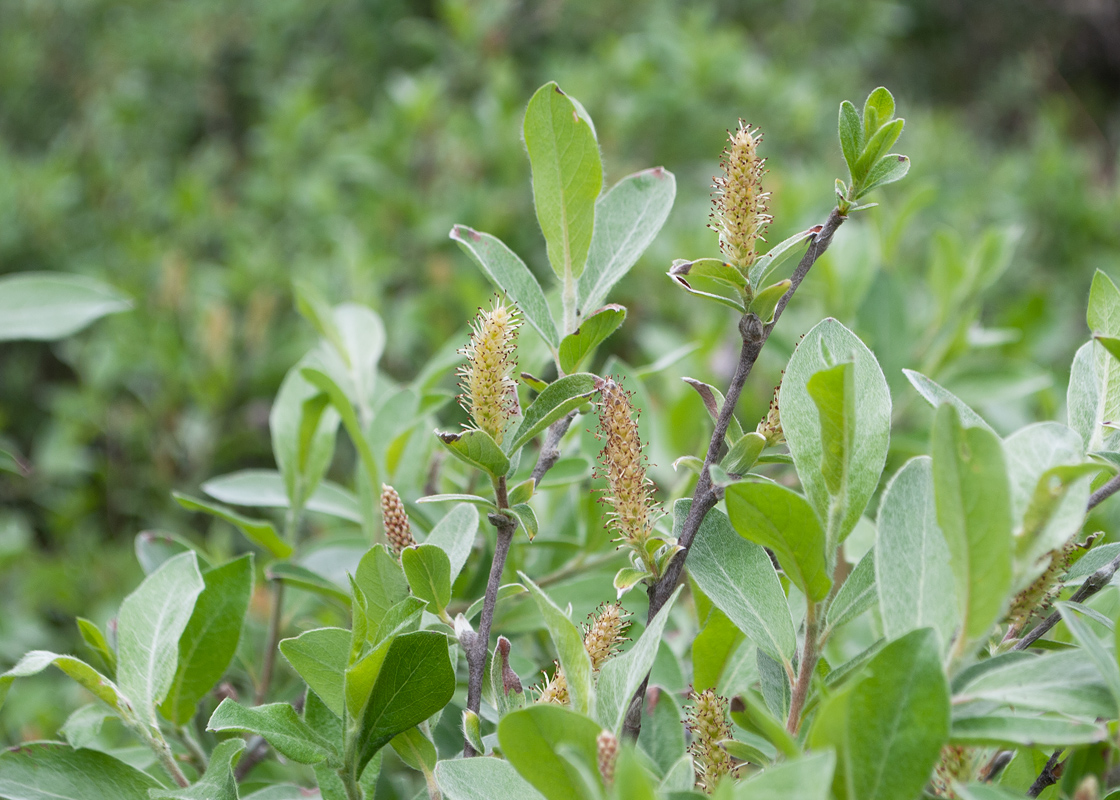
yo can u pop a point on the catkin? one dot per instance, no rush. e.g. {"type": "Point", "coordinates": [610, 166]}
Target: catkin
{"type": "Point", "coordinates": [489, 391]}
{"type": "Point", "coordinates": [740, 207]}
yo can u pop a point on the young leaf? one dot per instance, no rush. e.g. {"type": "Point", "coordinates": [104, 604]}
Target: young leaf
{"type": "Point", "coordinates": [877, 146]}
{"type": "Point", "coordinates": [44, 306]}
{"type": "Point", "coordinates": [973, 501]}
{"type": "Point", "coordinates": [320, 656]}
{"type": "Point", "coordinates": [95, 639]}
{"type": "Point", "coordinates": [1103, 316]}
{"type": "Point", "coordinates": [38, 660]}
{"type": "Point", "coordinates": [1064, 682]}
{"type": "Point", "coordinates": [856, 595]}
{"type": "Point", "coordinates": [567, 176]}
{"type": "Point", "coordinates": [559, 398]}
{"type": "Point", "coordinates": [219, 782]}
{"type": "Point", "coordinates": [527, 518]}
{"type": "Point", "coordinates": [888, 169]}
{"type": "Point", "coordinates": [303, 578]}
{"type": "Point", "coordinates": [916, 584]}
{"type": "Point", "coordinates": [627, 218]}
{"type": "Point", "coordinates": [303, 431]}
{"type": "Point", "coordinates": [765, 265]}
{"type": "Point", "coordinates": [382, 582]}
{"type": "Point", "coordinates": [455, 534]}
{"type": "Point", "coordinates": [257, 531]}
{"type": "Point", "coordinates": [482, 779]}
{"type": "Point", "coordinates": [935, 395]}
{"type": "Point", "coordinates": [1021, 730]}
{"type": "Point", "coordinates": [740, 579]}
{"type": "Point", "coordinates": [776, 517]}
{"type": "Point", "coordinates": [428, 570]}
{"type": "Point", "coordinates": [851, 135]}
{"type": "Point", "coordinates": [509, 273]}
{"type": "Point", "coordinates": [478, 449]}
{"type": "Point", "coordinates": [149, 626]}
{"type": "Point", "coordinates": [279, 725]}
{"type": "Point", "coordinates": [766, 301]}
{"type": "Point", "coordinates": [265, 488]}
{"type": "Point", "coordinates": [806, 778]}
{"type": "Point", "coordinates": [1104, 659]}
{"type": "Point", "coordinates": [54, 771]}
{"type": "Point", "coordinates": [210, 639]}
{"type": "Point", "coordinates": [530, 739]}
{"type": "Point", "coordinates": [592, 331]}
{"type": "Point", "coordinates": [878, 110]}
{"type": "Point", "coordinates": [569, 647]}
{"type": "Point", "coordinates": [678, 272]}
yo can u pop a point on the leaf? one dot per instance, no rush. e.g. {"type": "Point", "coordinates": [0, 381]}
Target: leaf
{"type": "Point", "coordinates": [482, 779]}
{"type": "Point", "coordinates": [530, 739]}
{"type": "Point", "coordinates": [320, 657]}
{"type": "Point", "coordinates": [856, 595]}
{"type": "Point", "coordinates": [150, 624]}
{"type": "Point", "coordinates": [776, 517]}
{"type": "Point", "coordinates": [303, 431]}
{"type": "Point", "coordinates": [509, 273]}
{"type": "Point", "coordinates": [415, 681]}
{"type": "Point", "coordinates": [1020, 730]}
{"type": "Point", "coordinates": [416, 750]}
{"type": "Point", "coordinates": [44, 306]}
{"type": "Point", "coordinates": [342, 403]}
{"type": "Point", "coordinates": [257, 531]}
{"type": "Point", "coordinates": [455, 534]}
{"type": "Point", "coordinates": [766, 300]}
{"type": "Point", "coordinates": [972, 497]}
{"type": "Point", "coordinates": [218, 783]}
{"type": "Point", "coordinates": [428, 570]}
{"type": "Point", "coordinates": [1110, 343]}
{"type": "Point", "coordinates": [739, 578]}
{"type": "Point", "coordinates": [279, 725]}
{"type": "Point", "coordinates": [890, 726]}
{"type": "Point", "coordinates": [560, 397]}
{"type": "Point", "coordinates": [38, 660]}
{"type": "Point", "coordinates": [210, 639]}
{"type": "Point", "coordinates": [1103, 316]}
{"type": "Point", "coordinates": [878, 110]}
{"type": "Point", "coordinates": [569, 648]}
{"type": "Point", "coordinates": [627, 218]}
{"type": "Point", "coordinates": [682, 268]}
{"type": "Point", "coordinates": [851, 135]}
{"type": "Point", "coordinates": [53, 771]}
{"type": "Point", "coordinates": [935, 395]}
{"type": "Point", "coordinates": [1104, 658]}
{"type": "Point", "coordinates": [765, 265]}
{"type": "Point", "coordinates": [1065, 682]}
{"type": "Point", "coordinates": [592, 331]}
{"type": "Point", "coordinates": [363, 341]}
{"type": "Point", "coordinates": [662, 734]}
{"type": "Point", "coordinates": [621, 676]}
{"type": "Point", "coordinates": [472, 499]}
{"type": "Point", "coordinates": [303, 578]}
{"type": "Point", "coordinates": [382, 582]}
{"type": "Point", "coordinates": [478, 449]}
{"type": "Point", "coordinates": [916, 586]}
{"type": "Point", "coordinates": [877, 145]}
{"type": "Point", "coordinates": [866, 426]}
{"type": "Point", "coordinates": [567, 176]}
{"type": "Point", "coordinates": [527, 518]}
{"type": "Point", "coordinates": [265, 488]}
{"type": "Point", "coordinates": [888, 169]}
{"type": "Point", "coordinates": [96, 641]}
{"type": "Point", "coordinates": [806, 778]}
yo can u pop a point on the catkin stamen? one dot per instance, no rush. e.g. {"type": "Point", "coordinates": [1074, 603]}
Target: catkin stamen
{"type": "Point", "coordinates": [489, 391]}
{"type": "Point", "coordinates": [740, 207]}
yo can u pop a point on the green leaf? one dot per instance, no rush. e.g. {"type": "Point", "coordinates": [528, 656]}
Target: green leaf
{"type": "Point", "coordinates": [428, 570]}
{"type": "Point", "coordinates": [415, 749]}
{"type": "Point", "coordinates": [415, 681]}
{"type": "Point", "coordinates": [712, 269]}
{"type": "Point", "coordinates": [865, 433]}
{"type": "Point", "coordinates": [149, 626]}
{"type": "Point", "coordinates": [382, 582]}
{"type": "Point", "coordinates": [1020, 730]}
{"type": "Point", "coordinates": [95, 639]}
{"type": "Point", "coordinates": [1110, 343]}
{"type": "Point", "coordinates": [504, 591]}
{"type": "Point", "coordinates": [888, 169]}
{"type": "Point", "coordinates": [342, 403]}
{"type": "Point", "coordinates": [560, 397]}
{"type": "Point", "coordinates": [569, 647]}
{"type": "Point", "coordinates": [219, 782]}
{"type": "Point", "coordinates": [935, 395]}
{"type": "Point", "coordinates": [766, 301]}
{"type": "Point", "coordinates": [53, 771]}
{"type": "Point", "coordinates": [567, 176]}
{"type": "Point", "coordinates": [632, 780]}
{"type": "Point", "coordinates": [682, 268]}
{"type": "Point", "coordinates": [320, 657]}
{"type": "Point", "coordinates": [744, 454]}
{"type": "Point", "coordinates": [621, 676]}
{"type": "Point", "coordinates": [279, 725]}
{"type": "Point", "coordinates": [1083, 396]}
{"type": "Point", "coordinates": [915, 582]}
{"type": "Point", "coordinates": [455, 535]}
{"type": "Point", "coordinates": [473, 499]}
{"type": "Point", "coordinates": [712, 648]}
{"type": "Point", "coordinates": [973, 502]}
{"type": "Point", "coordinates": [303, 578]}
{"type": "Point", "coordinates": [1092, 647]}
{"type": "Point", "coordinates": [303, 431]}
{"type": "Point", "coordinates": [878, 110]}
{"type": "Point", "coordinates": [740, 579]}
{"type": "Point", "coordinates": [627, 218]}
{"type": "Point", "coordinates": [851, 135]}
{"type": "Point", "coordinates": [314, 307]}
{"type": "Point", "coordinates": [482, 779]}
{"type": "Point", "coordinates": [889, 727]}
{"type": "Point", "coordinates": [856, 595]}
{"type": "Point", "coordinates": [592, 331]}
{"type": "Point", "coordinates": [265, 488]}
{"type": "Point", "coordinates": [530, 740]}
{"type": "Point", "coordinates": [38, 660]}
{"type": "Point", "coordinates": [509, 273]}
{"type": "Point", "coordinates": [527, 518]}
{"type": "Point", "coordinates": [776, 517]}
{"type": "Point", "coordinates": [44, 306]}
{"type": "Point", "coordinates": [210, 639]}
{"type": "Point", "coordinates": [877, 146]}
{"type": "Point", "coordinates": [755, 716]}
{"type": "Point", "coordinates": [1065, 682]}
{"type": "Point", "coordinates": [766, 265]}
{"type": "Point", "coordinates": [662, 734]}
{"type": "Point", "coordinates": [1103, 316]}
{"type": "Point", "coordinates": [478, 449]}
{"type": "Point", "coordinates": [806, 778]}
{"type": "Point", "coordinates": [257, 531]}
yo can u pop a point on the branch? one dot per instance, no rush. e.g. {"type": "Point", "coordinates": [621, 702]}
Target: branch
{"type": "Point", "coordinates": [1093, 584]}
{"type": "Point", "coordinates": [1103, 493]}
{"type": "Point", "coordinates": [1049, 775]}
{"type": "Point", "coordinates": [754, 335]}
{"type": "Point", "coordinates": [550, 450]}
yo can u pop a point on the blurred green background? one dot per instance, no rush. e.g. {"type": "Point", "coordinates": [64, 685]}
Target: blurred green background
{"type": "Point", "coordinates": [202, 155]}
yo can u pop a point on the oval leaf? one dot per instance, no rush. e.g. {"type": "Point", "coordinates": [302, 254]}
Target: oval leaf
{"type": "Point", "coordinates": [44, 306]}
{"type": "Point", "coordinates": [591, 332]}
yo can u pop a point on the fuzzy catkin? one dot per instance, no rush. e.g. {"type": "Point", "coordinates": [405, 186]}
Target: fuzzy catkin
{"type": "Point", "coordinates": [397, 529]}
{"type": "Point", "coordinates": [770, 427]}
{"type": "Point", "coordinates": [601, 637]}
{"type": "Point", "coordinates": [489, 391]}
{"type": "Point", "coordinates": [707, 719]}
{"type": "Point", "coordinates": [740, 207]}
{"type": "Point", "coordinates": [607, 744]}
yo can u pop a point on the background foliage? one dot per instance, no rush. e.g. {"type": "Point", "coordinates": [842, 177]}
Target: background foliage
{"type": "Point", "coordinates": [202, 156]}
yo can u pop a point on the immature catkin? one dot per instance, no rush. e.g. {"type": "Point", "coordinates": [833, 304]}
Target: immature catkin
{"type": "Point", "coordinates": [707, 719]}
{"type": "Point", "coordinates": [608, 755]}
{"type": "Point", "coordinates": [397, 529]}
{"type": "Point", "coordinates": [739, 207]}
{"type": "Point", "coordinates": [770, 427]}
{"type": "Point", "coordinates": [624, 467]}
{"type": "Point", "coordinates": [602, 635]}
{"type": "Point", "coordinates": [1039, 596]}
{"type": "Point", "coordinates": [489, 391]}
{"type": "Point", "coordinates": [957, 765]}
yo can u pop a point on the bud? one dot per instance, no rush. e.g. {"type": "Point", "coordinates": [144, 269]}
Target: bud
{"type": "Point", "coordinates": [603, 635]}
{"type": "Point", "coordinates": [510, 681]}
{"type": "Point", "coordinates": [608, 755]}
{"type": "Point", "coordinates": [624, 467]}
{"type": "Point", "coordinates": [397, 529]}
{"type": "Point", "coordinates": [707, 719]}
{"type": "Point", "coordinates": [489, 391]}
{"type": "Point", "coordinates": [739, 207]}
{"type": "Point", "coordinates": [770, 427]}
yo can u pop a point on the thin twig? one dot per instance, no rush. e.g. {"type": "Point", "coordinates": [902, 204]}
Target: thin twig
{"type": "Point", "coordinates": [271, 643]}
{"type": "Point", "coordinates": [754, 335]}
{"type": "Point", "coordinates": [1049, 775]}
{"type": "Point", "coordinates": [1105, 492]}
{"type": "Point", "coordinates": [809, 656]}
{"type": "Point", "coordinates": [550, 450]}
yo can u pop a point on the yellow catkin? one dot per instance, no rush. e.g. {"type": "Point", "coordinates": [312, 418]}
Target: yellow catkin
{"type": "Point", "coordinates": [601, 637]}
{"type": "Point", "coordinates": [489, 391]}
{"type": "Point", "coordinates": [633, 509]}
{"type": "Point", "coordinates": [770, 427]}
{"type": "Point", "coordinates": [739, 207]}
{"type": "Point", "coordinates": [957, 765]}
{"type": "Point", "coordinates": [397, 529]}
{"type": "Point", "coordinates": [708, 721]}
{"type": "Point", "coordinates": [608, 755]}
